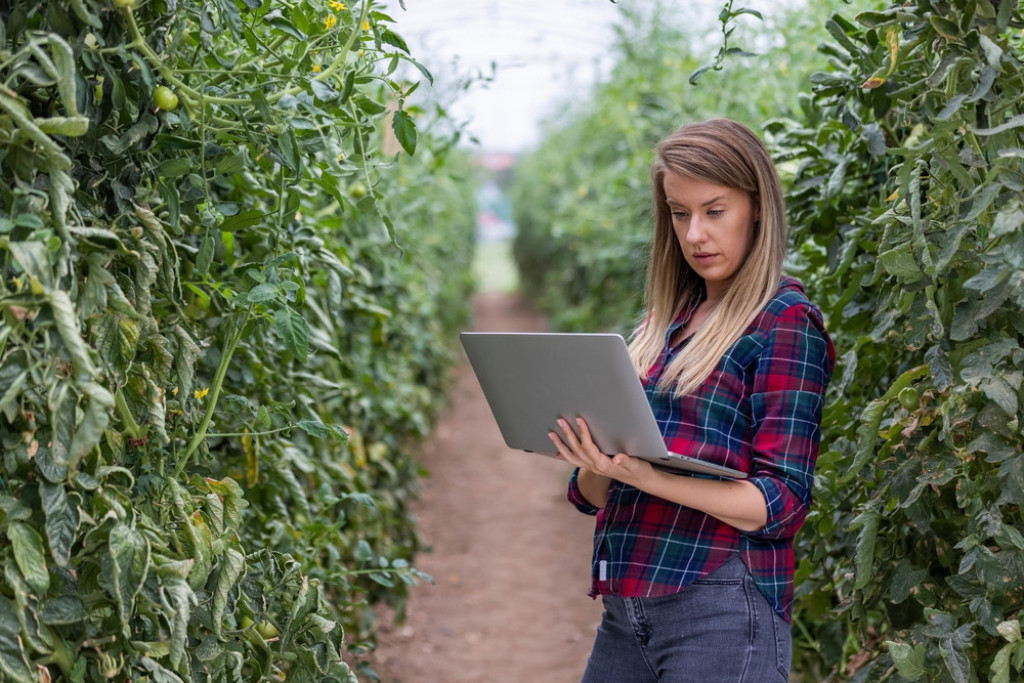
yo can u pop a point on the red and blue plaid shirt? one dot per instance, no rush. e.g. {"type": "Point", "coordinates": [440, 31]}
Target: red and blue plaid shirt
{"type": "Point", "coordinates": [760, 412]}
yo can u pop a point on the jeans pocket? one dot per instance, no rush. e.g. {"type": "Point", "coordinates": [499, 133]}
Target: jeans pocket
{"type": "Point", "coordinates": [782, 636]}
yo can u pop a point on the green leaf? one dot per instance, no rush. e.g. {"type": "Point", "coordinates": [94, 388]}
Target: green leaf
{"type": "Point", "coordinates": [230, 568]}
{"type": "Point", "coordinates": [262, 292]}
{"type": "Point", "coordinates": [125, 569]}
{"type": "Point", "coordinates": [864, 559]}
{"type": "Point", "coordinates": [986, 279]}
{"type": "Point", "coordinates": [65, 609]}
{"type": "Point", "coordinates": [1010, 630]}
{"type": "Point", "coordinates": [313, 428]}
{"type": "Point", "coordinates": [179, 599]}
{"type": "Point", "coordinates": [1002, 394]}
{"type": "Point", "coordinates": [306, 602]}
{"type": "Point", "coordinates": [900, 263]}
{"type": "Point", "coordinates": [1008, 220]}
{"type": "Point", "coordinates": [909, 659]}
{"type": "Point", "coordinates": [905, 580]}
{"type": "Point", "coordinates": [263, 417]}
{"type": "Point", "coordinates": [391, 38]}
{"type": "Point", "coordinates": [13, 664]}
{"type": "Point", "coordinates": [158, 673]}
{"type": "Point", "coordinates": [175, 168]}
{"type": "Point", "coordinates": [405, 130]}
{"type": "Point", "coordinates": [61, 521]}
{"type": "Point", "coordinates": [205, 255]}
{"type": "Point", "coordinates": [1000, 669]}
{"type": "Point", "coordinates": [34, 260]}
{"type": "Point", "coordinates": [72, 126]}
{"type": "Point", "coordinates": [1010, 124]}
{"type": "Point", "coordinates": [242, 220]}
{"type": "Point", "coordinates": [28, 554]}
{"type": "Point", "coordinates": [293, 330]}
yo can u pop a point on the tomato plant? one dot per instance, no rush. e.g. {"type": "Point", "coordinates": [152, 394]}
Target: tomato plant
{"type": "Point", "coordinates": [901, 147]}
{"type": "Point", "coordinates": [215, 358]}
{"type": "Point", "coordinates": [905, 202]}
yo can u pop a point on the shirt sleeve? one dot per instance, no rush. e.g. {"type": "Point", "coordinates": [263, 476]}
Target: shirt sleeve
{"type": "Point", "coordinates": [788, 396]}
{"type": "Point", "coordinates": [576, 496]}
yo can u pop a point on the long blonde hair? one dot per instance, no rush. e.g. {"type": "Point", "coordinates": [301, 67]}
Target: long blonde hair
{"type": "Point", "coordinates": [726, 153]}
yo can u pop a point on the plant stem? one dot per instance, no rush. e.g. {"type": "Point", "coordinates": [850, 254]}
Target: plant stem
{"type": "Point", "coordinates": [269, 431]}
{"type": "Point", "coordinates": [218, 382]}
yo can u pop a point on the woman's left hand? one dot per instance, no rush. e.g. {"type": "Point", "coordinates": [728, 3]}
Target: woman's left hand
{"type": "Point", "coordinates": [582, 452]}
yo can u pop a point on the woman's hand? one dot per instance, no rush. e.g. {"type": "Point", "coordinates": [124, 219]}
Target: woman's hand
{"type": "Point", "coordinates": [739, 503]}
{"type": "Point", "coordinates": [582, 452]}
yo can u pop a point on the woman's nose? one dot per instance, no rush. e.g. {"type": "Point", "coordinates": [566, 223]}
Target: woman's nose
{"type": "Point", "coordinates": [694, 232]}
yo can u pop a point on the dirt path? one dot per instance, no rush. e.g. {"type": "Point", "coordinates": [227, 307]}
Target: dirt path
{"type": "Point", "coordinates": [510, 557]}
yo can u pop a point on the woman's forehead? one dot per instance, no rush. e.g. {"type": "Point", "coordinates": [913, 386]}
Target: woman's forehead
{"type": "Point", "coordinates": [689, 190]}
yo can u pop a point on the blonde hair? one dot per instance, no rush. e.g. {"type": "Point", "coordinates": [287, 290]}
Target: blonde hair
{"type": "Point", "coordinates": [721, 152]}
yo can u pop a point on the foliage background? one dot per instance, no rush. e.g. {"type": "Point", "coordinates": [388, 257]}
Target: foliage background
{"type": "Point", "coordinates": [901, 145]}
{"type": "Point", "coordinates": [222, 327]}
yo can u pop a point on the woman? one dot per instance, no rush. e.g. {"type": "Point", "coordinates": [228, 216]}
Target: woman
{"type": "Point", "coordinates": [696, 573]}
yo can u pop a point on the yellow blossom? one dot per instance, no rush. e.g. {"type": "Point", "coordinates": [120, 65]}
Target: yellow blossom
{"type": "Point", "coordinates": [201, 393]}
{"type": "Point", "coordinates": [330, 21]}
{"type": "Point", "coordinates": [338, 6]}
{"type": "Point", "coordinates": [316, 68]}
{"type": "Point", "coordinates": [174, 391]}
{"type": "Point", "coordinates": [366, 25]}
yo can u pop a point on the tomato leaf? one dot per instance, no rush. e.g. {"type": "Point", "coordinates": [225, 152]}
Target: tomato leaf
{"type": "Point", "coordinates": [405, 130]}
{"type": "Point", "coordinates": [28, 554]}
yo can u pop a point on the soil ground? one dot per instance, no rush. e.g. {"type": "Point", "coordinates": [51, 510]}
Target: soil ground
{"type": "Point", "coordinates": [510, 557]}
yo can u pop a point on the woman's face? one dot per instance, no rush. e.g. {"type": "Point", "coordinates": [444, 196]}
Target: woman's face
{"type": "Point", "coordinates": [715, 228]}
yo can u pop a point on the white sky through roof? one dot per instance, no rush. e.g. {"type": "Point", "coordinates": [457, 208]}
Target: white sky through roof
{"type": "Point", "coordinates": [543, 51]}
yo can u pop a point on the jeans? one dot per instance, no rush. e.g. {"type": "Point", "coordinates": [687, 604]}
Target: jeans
{"type": "Point", "coordinates": [718, 629]}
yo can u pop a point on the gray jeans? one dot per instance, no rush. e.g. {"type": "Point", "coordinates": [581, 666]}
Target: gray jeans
{"type": "Point", "coordinates": [719, 629]}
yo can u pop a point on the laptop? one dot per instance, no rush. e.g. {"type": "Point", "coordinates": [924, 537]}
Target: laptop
{"type": "Point", "coordinates": [530, 379]}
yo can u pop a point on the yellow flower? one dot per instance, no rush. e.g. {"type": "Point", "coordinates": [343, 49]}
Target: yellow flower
{"type": "Point", "coordinates": [338, 6]}
{"type": "Point", "coordinates": [316, 68]}
{"type": "Point", "coordinates": [366, 25]}
{"type": "Point", "coordinates": [201, 393]}
{"type": "Point", "coordinates": [330, 21]}
{"type": "Point", "coordinates": [174, 391]}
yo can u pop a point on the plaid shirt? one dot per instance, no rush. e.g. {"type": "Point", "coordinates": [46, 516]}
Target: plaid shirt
{"type": "Point", "coordinates": [759, 412]}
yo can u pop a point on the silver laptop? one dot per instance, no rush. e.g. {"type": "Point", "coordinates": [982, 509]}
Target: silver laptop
{"type": "Point", "coordinates": [530, 379]}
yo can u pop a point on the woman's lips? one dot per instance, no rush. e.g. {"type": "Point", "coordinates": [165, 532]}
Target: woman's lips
{"type": "Point", "coordinates": [703, 258]}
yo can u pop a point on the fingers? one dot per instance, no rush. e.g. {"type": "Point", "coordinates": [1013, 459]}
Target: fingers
{"type": "Point", "coordinates": [578, 450]}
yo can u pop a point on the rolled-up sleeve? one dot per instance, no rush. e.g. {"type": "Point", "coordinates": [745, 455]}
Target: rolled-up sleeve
{"type": "Point", "coordinates": [788, 397]}
{"type": "Point", "coordinates": [575, 496]}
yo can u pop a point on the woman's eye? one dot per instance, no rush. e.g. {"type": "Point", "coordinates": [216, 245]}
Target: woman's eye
{"type": "Point", "coordinates": [679, 215]}
{"type": "Point", "coordinates": [716, 212]}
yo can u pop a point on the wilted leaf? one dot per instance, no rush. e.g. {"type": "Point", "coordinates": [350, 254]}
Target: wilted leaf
{"type": "Point", "coordinates": [179, 599]}
{"type": "Point", "coordinates": [61, 521]}
{"type": "Point", "coordinates": [230, 567]}
{"type": "Point", "coordinates": [126, 568]}
{"type": "Point", "coordinates": [27, 545]}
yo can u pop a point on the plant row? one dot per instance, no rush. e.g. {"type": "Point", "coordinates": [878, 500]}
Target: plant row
{"type": "Point", "coordinates": [233, 250]}
{"type": "Point", "coordinates": [903, 155]}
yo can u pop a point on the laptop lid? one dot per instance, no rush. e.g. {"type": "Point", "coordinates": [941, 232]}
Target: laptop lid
{"type": "Point", "coordinates": [530, 379]}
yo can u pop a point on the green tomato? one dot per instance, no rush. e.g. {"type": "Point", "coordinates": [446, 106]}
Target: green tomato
{"type": "Point", "coordinates": [357, 190]}
{"type": "Point", "coordinates": [246, 622]}
{"type": "Point", "coordinates": [124, 3]}
{"type": "Point", "coordinates": [165, 98]}
{"type": "Point", "coordinates": [909, 398]}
